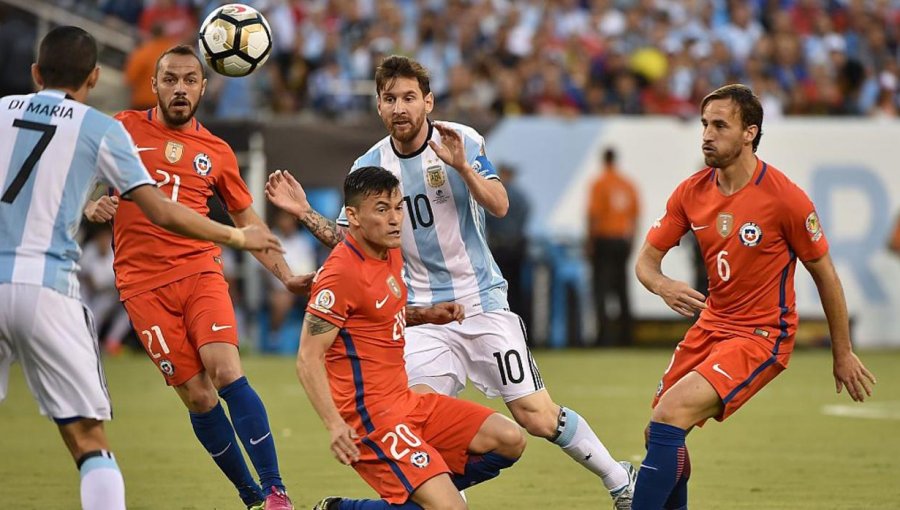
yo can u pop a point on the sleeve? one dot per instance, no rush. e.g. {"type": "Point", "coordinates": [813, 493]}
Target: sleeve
{"type": "Point", "coordinates": [667, 231]}
{"type": "Point", "coordinates": [118, 162]}
{"type": "Point", "coordinates": [342, 217]}
{"type": "Point", "coordinates": [477, 157]}
{"type": "Point", "coordinates": [231, 185]}
{"type": "Point", "coordinates": [802, 229]}
{"type": "Point", "coordinates": [331, 295]}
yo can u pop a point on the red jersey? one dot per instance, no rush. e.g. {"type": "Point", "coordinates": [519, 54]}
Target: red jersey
{"type": "Point", "coordinates": [750, 242]}
{"type": "Point", "coordinates": [189, 166]}
{"type": "Point", "coordinates": [366, 299]}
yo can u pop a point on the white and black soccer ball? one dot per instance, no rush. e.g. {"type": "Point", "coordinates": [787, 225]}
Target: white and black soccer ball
{"type": "Point", "coordinates": [235, 40]}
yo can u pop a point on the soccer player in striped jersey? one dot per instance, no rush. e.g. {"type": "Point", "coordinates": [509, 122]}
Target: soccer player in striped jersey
{"type": "Point", "coordinates": [53, 149]}
{"type": "Point", "coordinates": [752, 224]}
{"type": "Point", "coordinates": [447, 183]}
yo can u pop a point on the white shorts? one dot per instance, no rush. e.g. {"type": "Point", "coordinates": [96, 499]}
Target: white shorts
{"type": "Point", "coordinates": [489, 349]}
{"type": "Point", "coordinates": [53, 336]}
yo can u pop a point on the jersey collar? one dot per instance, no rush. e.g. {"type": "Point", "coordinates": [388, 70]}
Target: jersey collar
{"type": "Point", "coordinates": [418, 151]}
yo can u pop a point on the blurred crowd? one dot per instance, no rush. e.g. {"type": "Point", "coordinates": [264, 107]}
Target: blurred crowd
{"type": "Point", "coordinates": [491, 58]}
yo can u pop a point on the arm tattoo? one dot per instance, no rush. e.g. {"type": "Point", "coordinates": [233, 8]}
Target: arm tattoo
{"type": "Point", "coordinates": [414, 316]}
{"type": "Point", "coordinates": [276, 270]}
{"type": "Point", "coordinates": [317, 325]}
{"type": "Point", "coordinates": [324, 229]}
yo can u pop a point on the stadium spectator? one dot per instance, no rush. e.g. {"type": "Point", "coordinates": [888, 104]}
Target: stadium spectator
{"type": "Point", "coordinates": [509, 242]}
{"type": "Point", "coordinates": [177, 20]}
{"type": "Point", "coordinates": [894, 244]}
{"type": "Point", "coordinates": [613, 210]}
{"type": "Point", "coordinates": [141, 67]}
{"type": "Point", "coordinates": [17, 38]}
{"type": "Point", "coordinates": [300, 256]}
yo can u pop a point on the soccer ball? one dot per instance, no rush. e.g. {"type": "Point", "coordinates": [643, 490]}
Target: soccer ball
{"type": "Point", "coordinates": [235, 39]}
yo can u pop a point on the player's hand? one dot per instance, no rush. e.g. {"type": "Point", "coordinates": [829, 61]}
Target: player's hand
{"type": "Point", "coordinates": [850, 373]}
{"type": "Point", "coordinates": [682, 298]}
{"type": "Point", "coordinates": [258, 238]}
{"type": "Point", "coordinates": [343, 443]}
{"type": "Point", "coordinates": [103, 210]}
{"type": "Point", "coordinates": [286, 193]}
{"type": "Point", "coordinates": [300, 284]}
{"type": "Point", "coordinates": [451, 150]}
{"type": "Point", "coordinates": [444, 313]}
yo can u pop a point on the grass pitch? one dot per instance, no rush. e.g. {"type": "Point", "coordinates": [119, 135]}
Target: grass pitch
{"type": "Point", "coordinates": [796, 445]}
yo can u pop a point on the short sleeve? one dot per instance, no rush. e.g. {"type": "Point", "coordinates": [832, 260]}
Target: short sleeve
{"type": "Point", "coordinates": [118, 162]}
{"type": "Point", "coordinates": [342, 217]}
{"type": "Point", "coordinates": [230, 185]}
{"type": "Point", "coordinates": [802, 229]}
{"type": "Point", "coordinates": [667, 231]}
{"type": "Point", "coordinates": [477, 156]}
{"type": "Point", "coordinates": [331, 297]}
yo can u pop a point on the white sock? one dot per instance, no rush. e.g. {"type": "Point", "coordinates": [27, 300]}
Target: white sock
{"type": "Point", "coordinates": [579, 442]}
{"type": "Point", "coordinates": [102, 486]}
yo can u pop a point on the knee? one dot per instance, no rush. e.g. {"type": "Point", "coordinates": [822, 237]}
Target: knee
{"type": "Point", "coordinates": [676, 414]}
{"type": "Point", "coordinates": [224, 374]}
{"type": "Point", "coordinates": [510, 441]}
{"type": "Point", "coordinates": [201, 399]}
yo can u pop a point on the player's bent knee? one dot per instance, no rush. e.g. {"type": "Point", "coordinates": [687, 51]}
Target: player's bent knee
{"type": "Point", "coordinates": [538, 424]}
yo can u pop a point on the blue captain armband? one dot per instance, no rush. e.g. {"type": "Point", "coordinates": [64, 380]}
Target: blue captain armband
{"type": "Point", "coordinates": [484, 167]}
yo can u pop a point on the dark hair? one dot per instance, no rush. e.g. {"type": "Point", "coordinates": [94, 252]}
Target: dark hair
{"type": "Point", "coordinates": [368, 181]}
{"type": "Point", "coordinates": [67, 57]}
{"type": "Point", "coordinates": [609, 155]}
{"type": "Point", "coordinates": [397, 66]}
{"type": "Point", "coordinates": [748, 104]}
{"type": "Point", "coordinates": [181, 49]}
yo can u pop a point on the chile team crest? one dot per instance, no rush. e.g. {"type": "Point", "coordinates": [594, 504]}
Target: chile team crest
{"type": "Point", "coordinates": [202, 164]}
{"type": "Point", "coordinates": [751, 234]}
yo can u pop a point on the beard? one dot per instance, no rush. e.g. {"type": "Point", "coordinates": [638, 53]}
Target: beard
{"type": "Point", "coordinates": [176, 119]}
{"type": "Point", "coordinates": [410, 132]}
{"type": "Point", "coordinates": [722, 158]}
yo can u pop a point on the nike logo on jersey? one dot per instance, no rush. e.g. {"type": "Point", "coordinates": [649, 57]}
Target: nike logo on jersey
{"type": "Point", "coordinates": [255, 442]}
{"type": "Point", "coordinates": [718, 369]}
{"type": "Point", "coordinates": [379, 304]}
{"type": "Point", "coordinates": [216, 327]}
{"type": "Point", "coordinates": [695, 228]}
{"type": "Point", "coordinates": [143, 149]}
{"type": "Point", "coordinates": [214, 455]}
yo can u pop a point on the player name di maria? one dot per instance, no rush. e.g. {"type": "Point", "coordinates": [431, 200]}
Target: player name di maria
{"type": "Point", "coordinates": [61, 111]}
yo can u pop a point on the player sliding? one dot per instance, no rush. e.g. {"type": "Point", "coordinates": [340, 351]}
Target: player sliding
{"type": "Point", "coordinates": [752, 224]}
{"type": "Point", "coordinates": [54, 148]}
{"type": "Point", "coordinates": [416, 450]}
{"type": "Point", "coordinates": [173, 288]}
{"type": "Point", "coordinates": [448, 182]}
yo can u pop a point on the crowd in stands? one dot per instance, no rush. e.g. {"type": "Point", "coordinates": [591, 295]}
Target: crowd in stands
{"type": "Point", "coordinates": [565, 57]}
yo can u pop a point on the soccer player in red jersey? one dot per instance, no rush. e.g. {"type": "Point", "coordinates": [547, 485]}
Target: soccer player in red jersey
{"type": "Point", "coordinates": [416, 450]}
{"type": "Point", "coordinates": [752, 224]}
{"type": "Point", "coordinates": [173, 287]}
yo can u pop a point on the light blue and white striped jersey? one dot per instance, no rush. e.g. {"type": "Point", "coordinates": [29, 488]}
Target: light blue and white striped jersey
{"type": "Point", "coordinates": [52, 152]}
{"type": "Point", "coordinates": [445, 251]}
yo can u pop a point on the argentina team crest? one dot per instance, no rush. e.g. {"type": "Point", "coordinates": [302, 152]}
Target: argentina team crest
{"type": "Point", "coordinates": [202, 164]}
{"type": "Point", "coordinates": [174, 151]}
{"type": "Point", "coordinates": [750, 234]}
{"type": "Point", "coordinates": [435, 176]}
{"type": "Point", "coordinates": [725, 224]}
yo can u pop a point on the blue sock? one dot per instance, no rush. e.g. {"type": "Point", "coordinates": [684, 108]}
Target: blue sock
{"type": "Point", "coordinates": [661, 467]}
{"type": "Point", "coordinates": [216, 435]}
{"type": "Point", "coordinates": [252, 425]}
{"type": "Point", "coordinates": [678, 499]}
{"type": "Point", "coordinates": [480, 468]}
{"type": "Point", "coordinates": [375, 504]}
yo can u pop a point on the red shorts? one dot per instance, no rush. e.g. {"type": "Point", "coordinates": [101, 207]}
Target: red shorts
{"type": "Point", "coordinates": [402, 454]}
{"type": "Point", "coordinates": [174, 320]}
{"type": "Point", "coordinates": [736, 366]}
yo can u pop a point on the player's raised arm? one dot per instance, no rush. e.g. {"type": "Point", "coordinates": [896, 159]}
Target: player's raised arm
{"type": "Point", "coordinates": [678, 295]}
{"type": "Point", "coordinates": [315, 339]}
{"type": "Point", "coordinates": [849, 371]}
{"type": "Point", "coordinates": [489, 193]}
{"type": "Point", "coordinates": [184, 221]}
{"type": "Point", "coordinates": [286, 193]}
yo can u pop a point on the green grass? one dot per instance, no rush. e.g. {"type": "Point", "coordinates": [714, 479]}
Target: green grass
{"type": "Point", "coordinates": [779, 452]}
